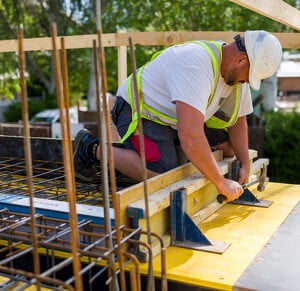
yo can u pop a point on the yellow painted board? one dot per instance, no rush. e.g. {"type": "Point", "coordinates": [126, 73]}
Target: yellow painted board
{"type": "Point", "coordinates": [17, 285]}
{"type": "Point", "coordinates": [247, 228]}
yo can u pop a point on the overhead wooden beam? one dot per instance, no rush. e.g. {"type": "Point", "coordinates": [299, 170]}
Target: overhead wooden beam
{"type": "Point", "coordinates": [288, 40]}
{"type": "Point", "coordinates": [277, 10]}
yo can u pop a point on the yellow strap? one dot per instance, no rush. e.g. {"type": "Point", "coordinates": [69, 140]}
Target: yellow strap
{"type": "Point", "coordinates": [165, 116]}
{"type": "Point", "coordinates": [215, 122]}
{"type": "Point", "coordinates": [132, 126]}
{"type": "Point", "coordinates": [214, 64]}
{"type": "Point", "coordinates": [134, 119]}
{"type": "Point", "coordinates": [134, 123]}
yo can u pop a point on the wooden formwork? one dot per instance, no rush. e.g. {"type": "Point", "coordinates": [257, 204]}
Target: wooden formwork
{"type": "Point", "coordinates": [201, 196]}
{"type": "Point", "coordinates": [186, 266]}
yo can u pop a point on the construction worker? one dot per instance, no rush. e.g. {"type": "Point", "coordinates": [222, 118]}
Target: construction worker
{"type": "Point", "coordinates": [195, 94]}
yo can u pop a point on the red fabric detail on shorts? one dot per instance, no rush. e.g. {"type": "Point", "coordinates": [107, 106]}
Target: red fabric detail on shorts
{"type": "Point", "coordinates": [152, 153]}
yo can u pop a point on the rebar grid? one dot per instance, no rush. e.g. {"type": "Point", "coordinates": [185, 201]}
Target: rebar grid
{"type": "Point", "coordinates": [54, 241]}
{"type": "Point", "coordinates": [77, 242]}
{"type": "Point", "coordinates": [48, 181]}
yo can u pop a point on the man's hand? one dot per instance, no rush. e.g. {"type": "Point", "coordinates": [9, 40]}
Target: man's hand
{"type": "Point", "coordinates": [231, 189]}
{"type": "Point", "coordinates": [243, 176]}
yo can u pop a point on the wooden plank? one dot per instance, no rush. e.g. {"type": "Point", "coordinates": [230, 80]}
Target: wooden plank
{"type": "Point", "coordinates": [192, 183]}
{"type": "Point", "coordinates": [210, 208]}
{"type": "Point", "coordinates": [287, 40]}
{"type": "Point", "coordinates": [186, 176]}
{"type": "Point", "coordinates": [248, 229]}
{"type": "Point", "coordinates": [136, 192]}
{"type": "Point", "coordinates": [161, 181]}
{"type": "Point", "coordinates": [201, 193]}
{"type": "Point", "coordinates": [277, 10]}
{"type": "Point", "coordinates": [206, 211]}
{"type": "Point", "coordinates": [161, 199]}
{"type": "Point", "coordinates": [122, 64]}
{"type": "Point", "coordinates": [257, 165]}
{"type": "Point", "coordinates": [201, 201]}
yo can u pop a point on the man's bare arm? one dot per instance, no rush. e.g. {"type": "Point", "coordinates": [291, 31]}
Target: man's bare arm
{"type": "Point", "coordinates": [196, 147]}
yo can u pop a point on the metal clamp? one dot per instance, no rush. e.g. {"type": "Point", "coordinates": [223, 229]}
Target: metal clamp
{"type": "Point", "coordinates": [248, 198]}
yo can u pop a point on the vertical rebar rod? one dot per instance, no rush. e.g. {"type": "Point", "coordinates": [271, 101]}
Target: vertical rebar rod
{"type": "Point", "coordinates": [137, 274]}
{"type": "Point", "coordinates": [103, 144]}
{"type": "Point", "coordinates": [67, 101]}
{"type": "Point", "coordinates": [133, 278]}
{"type": "Point", "coordinates": [143, 159]}
{"type": "Point", "coordinates": [67, 157]}
{"type": "Point", "coordinates": [28, 155]}
{"type": "Point", "coordinates": [104, 165]}
{"type": "Point", "coordinates": [111, 161]}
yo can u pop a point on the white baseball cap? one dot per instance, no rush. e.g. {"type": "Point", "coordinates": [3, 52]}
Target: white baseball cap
{"type": "Point", "coordinates": [264, 53]}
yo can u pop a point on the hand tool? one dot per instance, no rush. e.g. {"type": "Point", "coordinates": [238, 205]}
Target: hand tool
{"type": "Point", "coordinates": [260, 187]}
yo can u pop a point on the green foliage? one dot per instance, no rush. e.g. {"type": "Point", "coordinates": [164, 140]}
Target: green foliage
{"type": "Point", "coordinates": [282, 146]}
{"type": "Point", "coordinates": [192, 15]}
{"type": "Point", "coordinates": [35, 19]}
{"type": "Point", "coordinates": [75, 17]}
{"type": "Point", "coordinates": [9, 76]}
{"type": "Point", "coordinates": [184, 15]}
{"type": "Point", "coordinates": [13, 113]}
{"type": "Point", "coordinates": [8, 88]}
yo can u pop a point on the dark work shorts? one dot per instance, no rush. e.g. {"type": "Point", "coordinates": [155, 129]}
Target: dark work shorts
{"type": "Point", "coordinates": [160, 141]}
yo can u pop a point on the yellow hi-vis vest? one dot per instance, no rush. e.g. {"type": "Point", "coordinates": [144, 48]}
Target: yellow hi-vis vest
{"type": "Point", "coordinates": [147, 112]}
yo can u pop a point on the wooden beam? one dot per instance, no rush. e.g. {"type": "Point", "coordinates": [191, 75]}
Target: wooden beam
{"type": "Point", "coordinates": [122, 64]}
{"type": "Point", "coordinates": [277, 10]}
{"type": "Point", "coordinates": [288, 40]}
{"type": "Point", "coordinates": [157, 183]}
{"type": "Point", "coordinates": [191, 181]}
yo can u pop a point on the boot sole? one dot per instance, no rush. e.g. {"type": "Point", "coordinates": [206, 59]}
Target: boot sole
{"type": "Point", "coordinates": [76, 147]}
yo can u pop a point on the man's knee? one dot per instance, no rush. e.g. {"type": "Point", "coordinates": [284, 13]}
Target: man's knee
{"type": "Point", "coordinates": [226, 148]}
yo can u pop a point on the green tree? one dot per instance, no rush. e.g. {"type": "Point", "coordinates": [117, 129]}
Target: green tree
{"type": "Point", "coordinates": [75, 17]}
{"type": "Point", "coordinates": [35, 18]}
{"type": "Point", "coordinates": [183, 15]}
{"type": "Point", "coordinates": [192, 15]}
{"type": "Point", "coordinates": [282, 145]}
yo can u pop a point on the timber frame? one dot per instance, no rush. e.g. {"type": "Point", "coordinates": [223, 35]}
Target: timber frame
{"type": "Point", "coordinates": [120, 40]}
{"type": "Point", "coordinates": [196, 269]}
{"type": "Point", "coordinates": [277, 10]}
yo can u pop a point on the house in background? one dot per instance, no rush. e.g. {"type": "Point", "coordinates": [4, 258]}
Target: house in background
{"type": "Point", "coordinates": [288, 76]}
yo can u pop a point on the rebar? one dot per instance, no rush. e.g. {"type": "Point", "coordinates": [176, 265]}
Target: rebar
{"type": "Point", "coordinates": [54, 236]}
{"type": "Point", "coordinates": [80, 245]}
{"type": "Point", "coordinates": [68, 161]}
{"type": "Point", "coordinates": [28, 156]}
{"type": "Point", "coordinates": [137, 97]}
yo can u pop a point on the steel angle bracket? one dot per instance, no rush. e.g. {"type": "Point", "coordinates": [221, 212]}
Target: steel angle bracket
{"type": "Point", "coordinates": [248, 198]}
{"type": "Point", "coordinates": [135, 214]}
{"type": "Point", "coordinates": [184, 232]}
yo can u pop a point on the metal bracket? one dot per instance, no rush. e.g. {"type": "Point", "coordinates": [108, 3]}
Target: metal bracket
{"type": "Point", "coordinates": [135, 214]}
{"type": "Point", "coordinates": [184, 232]}
{"type": "Point", "coordinates": [248, 198]}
